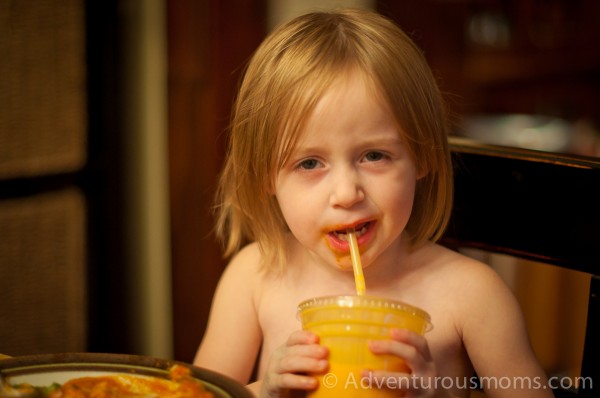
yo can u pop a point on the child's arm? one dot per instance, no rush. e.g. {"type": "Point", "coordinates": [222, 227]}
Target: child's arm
{"type": "Point", "coordinates": [233, 336]}
{"type": "Point", "coordinates": [496, 340]}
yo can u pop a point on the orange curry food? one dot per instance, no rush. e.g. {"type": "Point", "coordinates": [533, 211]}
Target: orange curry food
{"type": "Point", "coordinates": [181, 384]}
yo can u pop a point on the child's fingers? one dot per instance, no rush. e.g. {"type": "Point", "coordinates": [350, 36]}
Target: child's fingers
{"type": "Point", "coordinates": [405, 344]}
{"type": "Point", "coordinates": [411, 347]}
{"type": "Point", "coordinates": [297, 360]}
{"type": "Point", "coordinates": [414, 339]}
{"type": "Point", "coordinates": [301, 364]}
{"type": "Point", "coordinates": [303, 358]}
{"type": "Point", "coordinates": [291, 365]}
{"type": "Point", "coordinates": [302, 337]}
{"type": "Point", "coordinates": [303, 344]}
{"type": "Point", "coordinates": [307, 350]}
{"type": "Point", "coordinates": [289, 381]}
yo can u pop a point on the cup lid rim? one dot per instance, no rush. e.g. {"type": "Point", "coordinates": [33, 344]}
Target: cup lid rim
{"type": "Point", "coordinates": [356, 301]}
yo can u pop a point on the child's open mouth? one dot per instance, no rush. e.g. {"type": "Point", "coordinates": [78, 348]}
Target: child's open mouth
{"type": "Point", "coordinates": [360, 230]}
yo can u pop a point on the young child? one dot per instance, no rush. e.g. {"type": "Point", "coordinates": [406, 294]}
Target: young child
{"type": "Point", "coordinates": [339, 124]}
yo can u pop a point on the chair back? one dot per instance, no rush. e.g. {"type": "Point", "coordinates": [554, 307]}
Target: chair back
{"type": "Point", "coordinates": [533, 205]}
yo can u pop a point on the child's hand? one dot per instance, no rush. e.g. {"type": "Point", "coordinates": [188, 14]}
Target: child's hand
{"type": "Point", "coordinates": [413, 348]}
{"type": "Point", "coordinates": [290, 363]}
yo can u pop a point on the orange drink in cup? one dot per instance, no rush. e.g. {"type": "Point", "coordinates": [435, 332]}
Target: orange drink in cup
{"type": "Point", "coordinates": [345, 325]}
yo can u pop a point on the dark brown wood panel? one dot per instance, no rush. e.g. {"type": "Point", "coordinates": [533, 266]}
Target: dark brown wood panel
{"type": "Point", "coordinates": [208, 45]}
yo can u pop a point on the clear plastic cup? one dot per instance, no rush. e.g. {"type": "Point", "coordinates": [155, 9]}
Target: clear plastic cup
{"type": "Point", "coordinates": [345, 325]}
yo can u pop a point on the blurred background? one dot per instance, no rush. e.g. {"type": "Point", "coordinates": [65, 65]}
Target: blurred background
{"type": "Point", "coordinates": [112, 128]}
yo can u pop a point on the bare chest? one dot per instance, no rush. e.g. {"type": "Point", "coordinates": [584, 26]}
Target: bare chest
{"type": "Point", "coordinates": [279, 319]}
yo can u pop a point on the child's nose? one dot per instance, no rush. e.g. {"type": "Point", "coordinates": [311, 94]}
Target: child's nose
{"type": "Point", "coordinates": [346, 190]}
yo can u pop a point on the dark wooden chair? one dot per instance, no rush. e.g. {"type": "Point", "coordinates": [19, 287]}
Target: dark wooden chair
{"type": "Point", "coordinates": [538, 206]}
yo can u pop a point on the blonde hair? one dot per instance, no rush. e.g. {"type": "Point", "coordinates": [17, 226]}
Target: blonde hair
{"type": "Point", "coordinates": [284, 80]}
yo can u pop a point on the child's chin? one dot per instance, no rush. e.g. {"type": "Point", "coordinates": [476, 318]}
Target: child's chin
{"type": "Point", "coordinates": [345, 267]}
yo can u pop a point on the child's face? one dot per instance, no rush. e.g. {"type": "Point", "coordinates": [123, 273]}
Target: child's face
{"type": "Point", "coordinates": [349, 169]}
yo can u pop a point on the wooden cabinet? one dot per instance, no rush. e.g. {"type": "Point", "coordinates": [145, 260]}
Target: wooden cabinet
{"type": "Point", "coordinates": [510, 56]}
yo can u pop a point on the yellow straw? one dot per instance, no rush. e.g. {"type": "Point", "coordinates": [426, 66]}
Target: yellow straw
{"type": "Point", "coordinates": [359, 279]}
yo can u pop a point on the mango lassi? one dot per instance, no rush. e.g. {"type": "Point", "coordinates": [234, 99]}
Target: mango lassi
{"type": "Point", "coordinates": [345, 325]}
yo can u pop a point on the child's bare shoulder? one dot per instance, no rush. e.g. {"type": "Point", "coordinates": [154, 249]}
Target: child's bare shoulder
{"type": "Point", "coordinates": [460, 267]}
{"type": "Point", "coordinates": [247, 272]}
{"type": "Point", "coordinates": [244, 267]}
{"type": "Point", "coordinates": [474, 286]}
{"type": "Point", "coordinates": [248, 257]}
{"type": "Point", "coordinates": [468, 280]}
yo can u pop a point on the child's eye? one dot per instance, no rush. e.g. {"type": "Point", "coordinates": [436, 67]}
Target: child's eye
{"type": "Point", "coordinates": [374, 156]}
{"type": "Point", "coordinates": [308, 164]}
